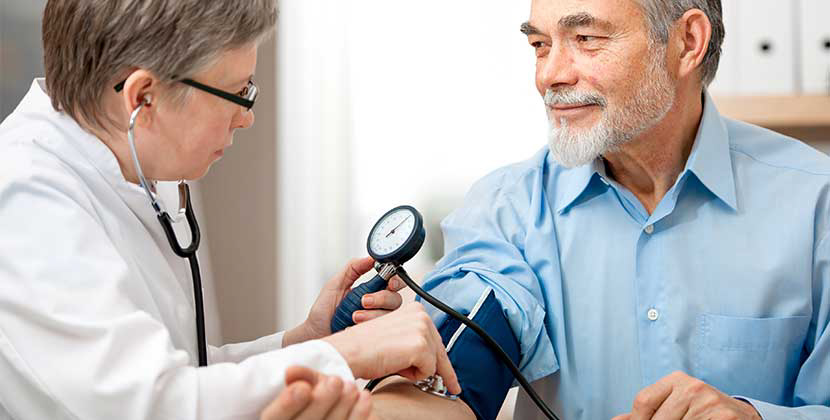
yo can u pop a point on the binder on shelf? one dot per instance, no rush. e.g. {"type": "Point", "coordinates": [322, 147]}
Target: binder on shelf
{"type": "Point", "coordinates": [766, 47]}
{"type": "Point", "coordinates": [815, 46]}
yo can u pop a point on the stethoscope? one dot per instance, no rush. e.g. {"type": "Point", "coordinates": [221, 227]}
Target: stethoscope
{"type": "Point", "coordinates": [395, 238]}
{"type": "Point", "coordinates": [186, 210]}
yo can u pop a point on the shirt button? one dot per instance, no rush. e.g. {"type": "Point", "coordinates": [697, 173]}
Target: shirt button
{"type": "Point", "coordinates": [653, 314]}
{"type": "Point", "coordinates": [649, 229]}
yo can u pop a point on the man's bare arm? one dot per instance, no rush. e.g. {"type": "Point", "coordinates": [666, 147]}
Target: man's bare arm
{"type": "Point", "coordinates": [396, 399]}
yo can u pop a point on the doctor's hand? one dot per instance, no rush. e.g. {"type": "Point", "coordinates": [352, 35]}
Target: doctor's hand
{"type": "Point", "coordinates": [309, 395]}
{"type": "Point", "coordinates": [680, 396]}
{"type": "Point", "coordinates": [317, 325]}
{"type": "Point", "coordinates": [404, 342]}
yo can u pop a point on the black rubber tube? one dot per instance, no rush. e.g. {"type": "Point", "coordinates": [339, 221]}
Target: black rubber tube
{"type": "Point", "coordinates": [484, 336]}
{"type": "Point", "coordinates": [200, 309]}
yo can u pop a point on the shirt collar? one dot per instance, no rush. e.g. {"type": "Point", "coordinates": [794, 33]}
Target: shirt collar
{"type": "Point", "coordinates": [709, 161]}
{"type": "Point", "coordinates": [574, 182]}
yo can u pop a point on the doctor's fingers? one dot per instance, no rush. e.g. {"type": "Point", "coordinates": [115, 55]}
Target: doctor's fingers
{"type": "Point", "coordinates": [289, 403]}
{"type": "Point", "coordinates": [324, 397]}
{"type": "Point", "coordinates": [433, 360]}
{"type": "Point", "coordinates": [346, 403]}
{"type": "Point", "coordinates": [364, 316]}
{"type": "Point", "coordinates": [363, 408]}
{"type": "Point", "coordinates": [395, 284]}
{"type": "Point", "coordinates": [383, 299]}
{"type": "Point", "coordinates": [444, 367]}
{"type": "Point", "coordinates": [301, 373]}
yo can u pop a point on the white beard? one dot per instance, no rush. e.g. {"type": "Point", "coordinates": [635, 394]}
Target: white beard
{"type": "Point", "coordinates": [617, 125]}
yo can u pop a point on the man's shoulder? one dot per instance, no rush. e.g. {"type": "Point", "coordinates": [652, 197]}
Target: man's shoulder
{"type": "Point", "coordinates": [761, 146]}
{"type": "Point", "coordinates": [518, 177]}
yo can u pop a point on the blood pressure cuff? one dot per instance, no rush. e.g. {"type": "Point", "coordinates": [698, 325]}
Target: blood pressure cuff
{"type": "Point", "coordinates": [484, 378]}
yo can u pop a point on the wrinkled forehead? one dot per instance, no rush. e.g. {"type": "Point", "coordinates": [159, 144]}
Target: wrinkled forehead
{"type": "Point", "coordinates": [552, 15]}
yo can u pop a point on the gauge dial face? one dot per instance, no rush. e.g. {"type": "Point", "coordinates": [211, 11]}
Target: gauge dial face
{"type": "Point", "coordinates": [392, 232]}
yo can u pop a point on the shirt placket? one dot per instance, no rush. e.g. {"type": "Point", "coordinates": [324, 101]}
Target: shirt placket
{"type": "Point", "coordinates": [651, 311]}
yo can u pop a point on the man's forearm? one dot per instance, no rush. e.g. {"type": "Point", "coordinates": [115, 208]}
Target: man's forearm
{"type": "Point", "coordinates": [396, 399]}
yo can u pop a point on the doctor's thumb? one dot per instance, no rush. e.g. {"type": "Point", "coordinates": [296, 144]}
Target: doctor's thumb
{"type": "Point", "coordinates": [354, 269]}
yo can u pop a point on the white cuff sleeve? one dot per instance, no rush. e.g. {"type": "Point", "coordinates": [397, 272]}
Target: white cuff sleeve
{"type": "Point", "coordinates": [776, 412]}
{"type": "Point", "coordinates": [238, 352]}
{"type": "Point", "coordinates": [230, 391]}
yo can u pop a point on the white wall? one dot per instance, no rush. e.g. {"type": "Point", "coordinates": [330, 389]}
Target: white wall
{"type": "Point", "coordinates": [313, 150]}
{"type": "Point", "coordinates": [441, 93]}
{"type": "Point", "coordinates": [384, 103]}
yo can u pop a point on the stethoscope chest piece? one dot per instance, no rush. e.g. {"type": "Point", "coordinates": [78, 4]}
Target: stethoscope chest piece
{"type": "Point", "coordinates": [435, 385]}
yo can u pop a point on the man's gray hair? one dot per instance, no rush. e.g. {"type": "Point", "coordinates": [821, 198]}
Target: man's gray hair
{"type": "Point", "coordinates": [662, 14]}
{"type": "Point", "coordinates": [88, 43]}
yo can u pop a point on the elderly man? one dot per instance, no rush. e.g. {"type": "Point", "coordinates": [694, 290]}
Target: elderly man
{"type": "Point", "coordinates": [657, 260]}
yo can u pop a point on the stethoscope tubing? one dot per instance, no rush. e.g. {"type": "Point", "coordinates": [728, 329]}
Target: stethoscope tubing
{"type": "Point", "coordinates": [139, 172]}
{"type": "Point", "coordinates": [188, 253]}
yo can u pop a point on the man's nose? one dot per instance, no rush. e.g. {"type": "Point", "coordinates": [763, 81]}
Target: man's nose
{"type": "Point", "coordinates": [557, 70]}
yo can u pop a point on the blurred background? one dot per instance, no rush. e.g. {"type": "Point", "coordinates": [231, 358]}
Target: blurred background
{"type": "Point", "coordinates": [370, 104]}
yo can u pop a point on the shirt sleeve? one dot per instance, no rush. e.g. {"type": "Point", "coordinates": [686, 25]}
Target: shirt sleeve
{"type": "Point", "coordinates": [483, 242]}
{"type": "Point", "coordinates": [811, 393]}
{"type": "Point", "coordinates": [75, 344]}
{"type": "Point", "coordinates": [238, 352]}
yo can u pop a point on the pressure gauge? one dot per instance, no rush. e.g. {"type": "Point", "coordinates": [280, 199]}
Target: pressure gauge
{"type": "Point", "coordinates": [397, 236]}
{"type": "Point", "coordinates": [394, 239]}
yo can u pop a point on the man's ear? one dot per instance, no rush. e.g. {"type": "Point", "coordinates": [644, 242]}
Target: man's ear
{"type": "Point", "coordinates": [691, 36]}
{"type": "Point", "coordinates": [140, 88]}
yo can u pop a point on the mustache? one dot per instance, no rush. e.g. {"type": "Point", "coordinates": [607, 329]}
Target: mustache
{"type": "Point", "coordinates": [572, 97]}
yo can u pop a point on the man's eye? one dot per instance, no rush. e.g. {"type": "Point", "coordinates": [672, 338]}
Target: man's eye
{"type": "Point", "coordinates": [586, 38]}
{"type": "Point", "coordinates": [537, 44]}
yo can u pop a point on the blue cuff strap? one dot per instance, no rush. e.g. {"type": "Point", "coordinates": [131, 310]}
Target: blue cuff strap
{"type": "Point", "coordinates": [484, 378]}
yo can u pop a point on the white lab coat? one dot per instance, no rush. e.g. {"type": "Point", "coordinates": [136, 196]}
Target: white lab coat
{"type": "Point", "coordinates": [96, 312]}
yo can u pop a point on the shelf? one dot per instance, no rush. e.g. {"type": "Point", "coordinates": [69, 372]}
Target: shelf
{"type": "Point", "coordinates": [777, 111]}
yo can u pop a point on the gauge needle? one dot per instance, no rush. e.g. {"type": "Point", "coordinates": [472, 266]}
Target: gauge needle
{"type": "Point", "coordinates": [399, 225]}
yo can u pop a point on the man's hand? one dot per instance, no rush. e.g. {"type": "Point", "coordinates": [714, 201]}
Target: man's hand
{"type": "Point", "coordinates": [404, 342]}
{"type": "Point", "coordinates": [318, 323]}
{"type": "Point", "coordinates": [309, 395]}
{"type": "Point", "coordinates": [680, 396]}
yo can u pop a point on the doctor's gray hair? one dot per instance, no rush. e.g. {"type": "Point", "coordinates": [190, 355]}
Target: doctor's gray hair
{"type": "Point", "coordinates": [87, 44]}
{"type": "Point", "coordinates": [662, 14]}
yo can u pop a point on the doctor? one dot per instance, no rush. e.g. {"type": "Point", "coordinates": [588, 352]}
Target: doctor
{"type": "Point", "coordinates": [97, 315]}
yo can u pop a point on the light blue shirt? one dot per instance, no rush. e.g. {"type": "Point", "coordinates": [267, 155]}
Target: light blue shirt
{"type": "Point", "coordinates": [727, 280]}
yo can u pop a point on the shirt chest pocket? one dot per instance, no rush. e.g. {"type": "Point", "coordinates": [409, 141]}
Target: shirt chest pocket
{"type": "Point", "coordinates": [752, 357]}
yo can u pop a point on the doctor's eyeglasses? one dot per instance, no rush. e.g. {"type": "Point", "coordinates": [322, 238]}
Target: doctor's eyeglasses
{"type": "Point", "coordinates": [244, 98]}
